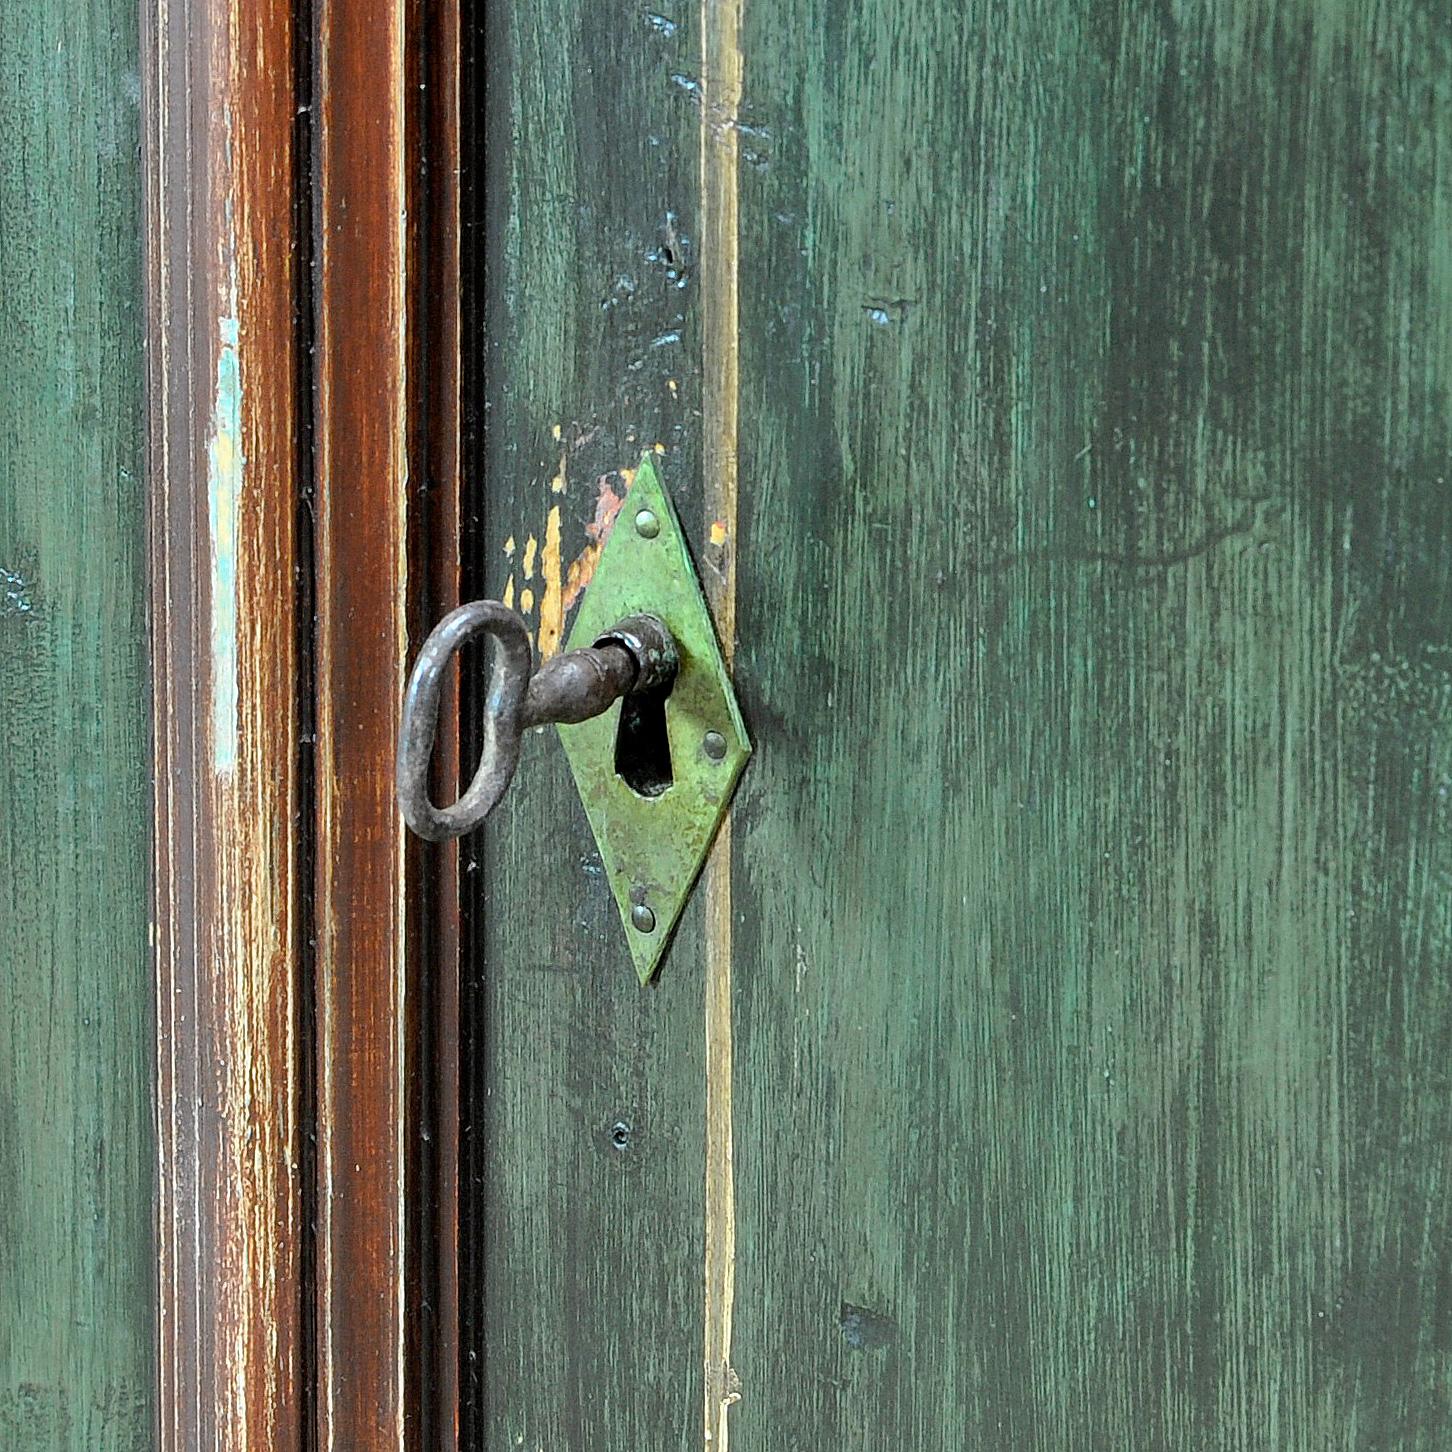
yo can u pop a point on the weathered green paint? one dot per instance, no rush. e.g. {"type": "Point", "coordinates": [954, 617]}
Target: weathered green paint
{"type": "Point", "coordinates": [652, 848]}
{"type": "Point", "coordinates": [582, 1254]}
{"type": "Point", "coordinates": [76, 1138]}
{"type": "Point", "coordinates": [1091, 908]}
{"type": "Point", "coordinates": [1094, 1013]}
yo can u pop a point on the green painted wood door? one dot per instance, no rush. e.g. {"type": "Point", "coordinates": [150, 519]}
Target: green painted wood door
{"type": "Point", "coordinates": [1057, 399]}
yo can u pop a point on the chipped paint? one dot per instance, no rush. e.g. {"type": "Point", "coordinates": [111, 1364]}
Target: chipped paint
{"type": "Point", "coordinates": [555, 432]}
{"type": "Point", "coordinates": [557, 484]}
{"type": "Point", "coordinates": [509, 548]}
{"type": "Point", "coordinates": [607, 505]}
{"type": "Point", "coordinates": [509, 592]}
{"type": "Point", "coordinates": [551, 605]}
{"type": "Point", "coordinates": [526, 600]}
{"type": "Point", "coordinates": [225, 464]}
{"type": "Point", "coordinates": [531, 545]}
{"type": "Point", "coordinates": [718, 533]}
{"type": "Point", "coordinates": [15, 596]}
{"type": "Point", "coordinates": [582, 567]}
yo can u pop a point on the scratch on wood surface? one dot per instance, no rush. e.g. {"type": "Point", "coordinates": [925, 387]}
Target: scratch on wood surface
{"type": "Point", "coordinates": [721, 72]}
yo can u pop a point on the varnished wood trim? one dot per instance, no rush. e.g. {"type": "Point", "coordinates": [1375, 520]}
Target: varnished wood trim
{"type": "Point", "coordinates": [220, 109]}
{"type": "Point", "coordinates": [371, 464]}
{"type": "Point", "coordinates": [721, 71]}
{"type": "Point", "coordinates": [307, 953]}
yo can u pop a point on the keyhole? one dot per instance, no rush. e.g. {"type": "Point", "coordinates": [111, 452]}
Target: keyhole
{"type": "Point", "coordinates": [642, 747]}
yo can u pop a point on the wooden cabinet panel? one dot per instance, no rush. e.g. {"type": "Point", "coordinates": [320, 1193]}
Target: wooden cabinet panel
{"type": "Point", "coordinates": [1093, 1013]}
{"type": "Point", "coordinates": [1056, 399]}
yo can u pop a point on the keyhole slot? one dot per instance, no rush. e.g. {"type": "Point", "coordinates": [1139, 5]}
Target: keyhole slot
{"type": "Point", "coordinates": [642, 745]}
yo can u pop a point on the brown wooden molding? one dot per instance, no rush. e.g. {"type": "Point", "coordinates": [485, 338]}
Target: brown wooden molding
{"type": "Point", "coordinates": [370, 462]}
{"type": "Point", "coordinates": [304, 362]}
{"type": "Point", "coordinates": [221, 110]}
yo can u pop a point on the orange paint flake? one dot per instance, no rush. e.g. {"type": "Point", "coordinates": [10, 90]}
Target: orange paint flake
{"type": "Point", "coordinates": [607, 506]}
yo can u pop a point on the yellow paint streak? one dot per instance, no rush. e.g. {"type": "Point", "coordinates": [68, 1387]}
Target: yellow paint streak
{"type": "Point", "coordinates": [526, 600]}
{"type": "Point", "coordinates": [509, 548]}
{"type": "Point", "coordinates": [720, 160]}
{"type": "Point", "coordinates": [551, 605]}
{"type": "Point", "coordinates": [530, 546]}
{"type": "Point", "coordinates": [509, 592]}
{"type": "Point", "coordinates": [557, 484]}
{"type": "Point", "coordinates": [718, 533]}
{"type": "Point", "coordinates": [555, 432]}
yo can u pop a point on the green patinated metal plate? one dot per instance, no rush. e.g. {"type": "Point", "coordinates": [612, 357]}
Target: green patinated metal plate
{"type": "Point", "coordinates": [653, 847]}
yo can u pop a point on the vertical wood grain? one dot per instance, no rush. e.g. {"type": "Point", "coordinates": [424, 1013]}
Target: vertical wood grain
{"type": "Point", "coordinates": [1092, 1006]}
{"type": "Point", "coordinates": [77, 1355]}
{"type": "Point", "coordinates": [221, 105]}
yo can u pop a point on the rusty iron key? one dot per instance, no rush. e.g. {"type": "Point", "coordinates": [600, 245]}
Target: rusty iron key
{"type": "Point", "coordinates": [637, 655]}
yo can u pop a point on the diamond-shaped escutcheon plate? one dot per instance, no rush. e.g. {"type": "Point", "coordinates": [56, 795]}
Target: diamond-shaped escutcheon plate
{"type": "Point", "coordinates": [653, 846]}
